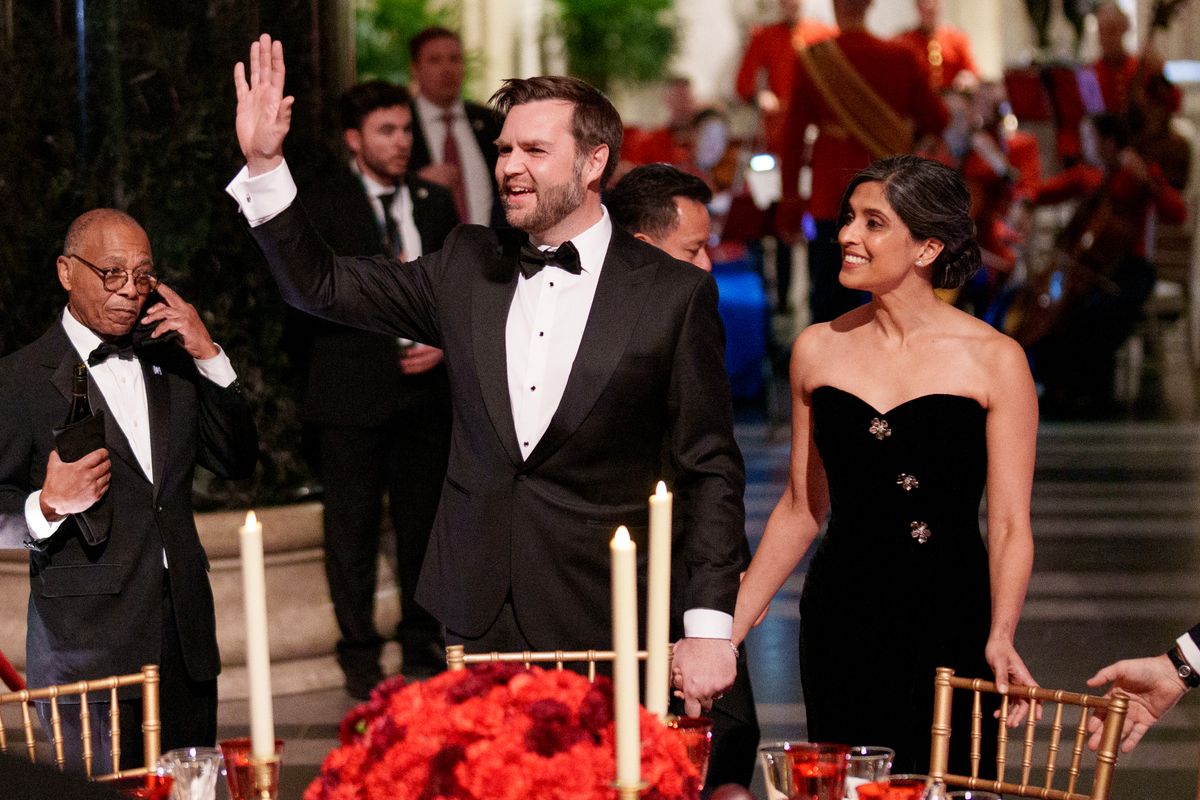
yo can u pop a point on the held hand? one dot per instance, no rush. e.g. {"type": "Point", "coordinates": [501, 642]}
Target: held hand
{"type": "Point", "coordinates": [73, 487]}
{"type": "Point", "coordinates": [702, 669]}
{"type": "Point", "coordinates": [768, 101]}
{"type": "Point", "coordinates": [176, 314]}
{"type": "Point", "coordinates": [1153, 688]}
{"type": "Point", "coordinates": [1009, 668]}
{"type": "Point", "coordinates": [419, 358]}
{"type": "Point", "coordinates": [263, 113]}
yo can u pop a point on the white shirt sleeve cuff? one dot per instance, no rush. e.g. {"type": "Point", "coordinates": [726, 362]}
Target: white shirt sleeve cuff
{"type": "Point", "coordinates": [707, 623]}
{"type": "Point", "coordinates": [39, 527]}
{"type": "Point", "coordinates": [265, 196]}
{"type": "Point", "coordinates": [217, 369]}
{"type": "Point", "coordinates": [1190, 651]}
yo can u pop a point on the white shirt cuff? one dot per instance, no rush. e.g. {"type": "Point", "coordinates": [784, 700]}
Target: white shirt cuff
{"type": "Point", "coordinates": [1190, 651]}
{"type": "Point", "coordinates": [39, 527]}
{"type": "Point", "coordinates": [707, 623]}
{"type": "Point", "coordinates": [263, 197]}
{"type": "Point", "coordinates": [217, 369]}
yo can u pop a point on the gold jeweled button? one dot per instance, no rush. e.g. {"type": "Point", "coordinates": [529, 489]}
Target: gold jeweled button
{"type": "Point", "coordinates": [879, 429]}
{"type": "Point", "coordinates": [920, 532]}
{"type": "Point", "coordinates": [907, 482]}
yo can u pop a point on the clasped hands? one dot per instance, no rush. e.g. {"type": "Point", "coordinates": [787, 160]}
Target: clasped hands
{"type": "Point", "coordinates": [701, 670]}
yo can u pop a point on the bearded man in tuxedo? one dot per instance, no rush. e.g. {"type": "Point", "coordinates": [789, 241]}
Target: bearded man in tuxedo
{"type": "Point", "coordinates": [583, 366]}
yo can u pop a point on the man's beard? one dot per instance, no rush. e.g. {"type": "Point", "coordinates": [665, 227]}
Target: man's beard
{"type": "Point", "coordinates": [554, 204]}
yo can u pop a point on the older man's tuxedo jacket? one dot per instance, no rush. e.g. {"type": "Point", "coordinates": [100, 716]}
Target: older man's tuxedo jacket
{"type": "Point", "coordinates": [647, 397]}
{"type": "Point", "coordinates": [97, 610]}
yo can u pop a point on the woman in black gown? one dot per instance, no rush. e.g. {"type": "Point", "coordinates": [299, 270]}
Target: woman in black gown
{"type": "Point", "coordinates": [903, 410]}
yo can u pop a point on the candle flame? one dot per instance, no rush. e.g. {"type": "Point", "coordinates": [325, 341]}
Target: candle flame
{"type": "Point", "coordinates": [661, 489]}
{"type": "Point", "coordinates": [622, 536]}
{"type": "Point", "coordinates": [251, 519]}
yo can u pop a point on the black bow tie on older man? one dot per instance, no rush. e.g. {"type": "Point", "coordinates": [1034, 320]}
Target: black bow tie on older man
{"type": "Point", "coordinates": [566, 257]}
{"type": "Point", "coordinates": [121, 348]}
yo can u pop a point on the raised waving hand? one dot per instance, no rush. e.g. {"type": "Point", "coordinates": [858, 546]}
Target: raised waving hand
{"type": "Point", "coordinates": [263, 113]}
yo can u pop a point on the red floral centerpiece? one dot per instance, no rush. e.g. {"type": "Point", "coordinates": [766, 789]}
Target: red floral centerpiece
{"type": "Point", "coordinates": [495, 731]}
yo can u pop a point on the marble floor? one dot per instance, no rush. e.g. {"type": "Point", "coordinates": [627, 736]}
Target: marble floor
{"type": "Point", "coordinates": [1116, 517]}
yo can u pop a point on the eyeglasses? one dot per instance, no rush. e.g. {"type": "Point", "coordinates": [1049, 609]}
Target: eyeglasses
{"type": "Point", "coordinates": [115, 278]}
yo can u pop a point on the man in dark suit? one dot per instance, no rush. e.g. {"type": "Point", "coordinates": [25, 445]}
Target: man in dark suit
{"type": "Point", "coordinates": [454, 142]}
{"type": "Point", "coordinates": [141, 595]}
{"type": "Point", "coordinates": [664, 206]}
{"type": "Point", "coordinates": [1153, 685]}
{"type": "Point", "coordinates": [379, 406]}
{"type": "Point", "coordinates": [578, 376]}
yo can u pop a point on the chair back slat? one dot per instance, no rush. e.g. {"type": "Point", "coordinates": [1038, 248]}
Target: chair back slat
{"type": "Point", "coordinates": [1052, 750]}
{"type": "Point", "coordinates": [148, 679]}
{"type": "Point", "coordinates": [1027, 746]}
{"type": "Point", "coordinates": [457, 658]}
{"type": "Point", "coordinates": [1077, 750]}
{"type": "Point", "coordinates": [85, 730]}
{"type": "Point", "coordinates": [1002, 740]}
{"type": "Point", "coordinates": [976, 732]}
{"type": "Point", "coordinates": [1024, 783]}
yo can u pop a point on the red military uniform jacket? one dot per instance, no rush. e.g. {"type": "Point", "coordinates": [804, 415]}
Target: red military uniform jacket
{"type": "Point", "coordinates": [945, 54]}
{"type": "Point", "coordinates": [773, 48]}
{"type": "Point", "coordinates": [896, 76]}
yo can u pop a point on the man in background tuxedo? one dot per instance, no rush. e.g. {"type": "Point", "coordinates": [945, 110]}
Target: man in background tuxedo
{"type": "Point", "coordinates": [454, 142]}
{"type": "Point", "coordinates": [379, 406]}
{"type": "Point", "coordinates": [664, 206]}
{"type": "Point", "coordinates": [140, 596]}
{"type": "Point", "coordinates": [580, 361]}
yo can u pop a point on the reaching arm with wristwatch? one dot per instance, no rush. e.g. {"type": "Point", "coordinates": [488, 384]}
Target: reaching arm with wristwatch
{"type": "Point", "coordinates": [1153, 685]}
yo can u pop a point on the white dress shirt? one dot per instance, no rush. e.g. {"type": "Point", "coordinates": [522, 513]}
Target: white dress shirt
{"type": "Point", "coordinates": [545, 326]}
{"type": "Point", "coordinates": [401, 211]}
{"type": "Point", "coordinates": [123, 387]}
{"type": "Point", "coordinates": [478, 179]}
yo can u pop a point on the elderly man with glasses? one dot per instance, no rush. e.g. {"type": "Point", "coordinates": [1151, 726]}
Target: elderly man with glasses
{"type": "Point", "coordinates": [106, 600]}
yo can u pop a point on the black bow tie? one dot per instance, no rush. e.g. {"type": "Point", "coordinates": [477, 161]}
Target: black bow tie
{"type": "Point", "coordinates": [566, 257]}
{"type": "Point", "coordinates": [119, 349]}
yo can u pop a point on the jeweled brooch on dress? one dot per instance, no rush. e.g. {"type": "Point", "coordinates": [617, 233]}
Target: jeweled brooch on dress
{"type": "Point", "coordinates": [879, 429]}
{"type": "Point", "coordinates": [920, 532]}
{"type": "Point", "coordinates": [907, 482]}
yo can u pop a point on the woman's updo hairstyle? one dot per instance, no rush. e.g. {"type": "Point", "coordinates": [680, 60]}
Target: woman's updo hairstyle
{"type": "Point", "coordinates": [933, 202]}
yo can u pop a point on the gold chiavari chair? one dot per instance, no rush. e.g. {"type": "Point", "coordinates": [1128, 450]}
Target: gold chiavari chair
{"type": "Point", "coordinates": [945, 684]}
{"type": "Point", "coordinates": [151, 722]}
{"type": "Point", "coordinates": [457, 659]}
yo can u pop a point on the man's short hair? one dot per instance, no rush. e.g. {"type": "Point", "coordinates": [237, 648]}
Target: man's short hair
{"type": "Point", "coordinates": [594, 122]}
{"type": "Point", "coordinates": [428, 35]}
{"type": "Point", "coordinates": [81, 227]}
{"type": "Point", "coordinates": [359, 101]}
{"type": "Point", "coordinates": [644, 200]}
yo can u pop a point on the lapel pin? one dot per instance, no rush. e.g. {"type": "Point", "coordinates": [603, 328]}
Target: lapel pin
{"type": "Point", "coordinates": [422, 193]}
{"type": "Point", "coordinates": [157, 369]}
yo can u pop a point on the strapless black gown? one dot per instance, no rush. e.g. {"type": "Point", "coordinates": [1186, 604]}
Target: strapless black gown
{"type": "Point", "coordinates": [899, 583]}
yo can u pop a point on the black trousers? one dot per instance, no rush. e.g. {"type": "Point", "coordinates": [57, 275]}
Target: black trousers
{"type": "Point", "coordinates": [188, 710]}
{"type": "Point", "coordinates": [407, 458]}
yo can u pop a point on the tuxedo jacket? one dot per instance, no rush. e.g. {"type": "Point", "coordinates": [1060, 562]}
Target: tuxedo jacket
{"type": "Point", "coordinates": [97, 610]}
{"type": "Point", "coordinates": [1195, 634]}
{"type": "Point", "coordinates": [486, 127]}
{"type": "Point", "coordinates": [352, 377]}
{"type": "Point", "coordinates": [647, 396]}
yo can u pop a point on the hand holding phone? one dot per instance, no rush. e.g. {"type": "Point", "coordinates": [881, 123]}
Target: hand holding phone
{"type": "Point", "coordinates": [166, 317]}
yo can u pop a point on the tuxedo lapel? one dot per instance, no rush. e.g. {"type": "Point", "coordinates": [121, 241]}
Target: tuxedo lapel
{"type": "Point", "coordinates": [158, 406]}
{"type": "Point", "coordinates": [615, 310]}
{"type": "Point", "coordinates": [490, 301]}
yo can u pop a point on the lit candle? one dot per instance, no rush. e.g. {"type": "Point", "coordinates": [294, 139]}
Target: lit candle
{"type": "Point", "coordinates": [625, 666]}
{"type": "Point", "coordinates": [258, 653]}
{"type": "Point", "coordinates": [658, 605]}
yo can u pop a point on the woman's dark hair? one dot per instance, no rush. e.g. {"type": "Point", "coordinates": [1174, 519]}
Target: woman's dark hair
{"type": "Point", "coordinates": [933, 202]}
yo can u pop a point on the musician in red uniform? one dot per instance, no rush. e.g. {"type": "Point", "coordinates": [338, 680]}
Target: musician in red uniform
{"type": "Point", "coordinates": [1116, 69]}
{"type": "Point", "coordinates": [869, 98]}
{"type": "Point", "coordinates": [1107, 274]}
{"type": "Point", "coordinates": [946, 51]}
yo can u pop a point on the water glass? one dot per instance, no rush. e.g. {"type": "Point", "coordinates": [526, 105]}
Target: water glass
{"type": "Point", "coordinates": [804, 770]}
{"type": "Point", "coordinates": [867, 765]}
{"type": "Point", "coordinates": [696, 733]}
{"type": "Point", "coordinates": [196, 771]}
{"type": "Point", "coordinates": [896, 787]}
